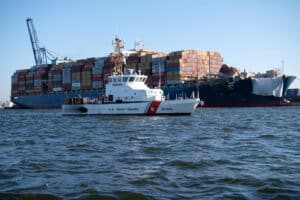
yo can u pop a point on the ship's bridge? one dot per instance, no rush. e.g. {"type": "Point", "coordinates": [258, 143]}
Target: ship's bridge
{"type": "Point", "coordinates": [131, 87]}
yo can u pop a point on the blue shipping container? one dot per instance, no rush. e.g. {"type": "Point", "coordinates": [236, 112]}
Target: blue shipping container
{"type": "Point", "coordinates": [97, 84]}
{"type": "Point", "coordinates": [158, 68]}
{"type": "Point", "coordinates": [172, 69]}
{"type": "Point", "coordinates": [159, 60]}
{"type": "Point", "coordinates": [97, 70]}
{"type": "Point", "coordinates": [37, 82]}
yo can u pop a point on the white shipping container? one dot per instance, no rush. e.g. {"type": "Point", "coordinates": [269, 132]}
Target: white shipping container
{"type": "Point", "coordinates": [76, 84]}
{"type": "Point", "coordinates": [57, 89]}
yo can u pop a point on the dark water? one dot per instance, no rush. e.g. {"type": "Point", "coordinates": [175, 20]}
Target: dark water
{"type": "Point", "coordinates": [236, 153]}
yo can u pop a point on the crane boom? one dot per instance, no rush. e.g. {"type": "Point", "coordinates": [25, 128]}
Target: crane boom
{"type": "Point", "coordinates": [40, 54]}
{"type": "Point", "coordinates": [34, 41]}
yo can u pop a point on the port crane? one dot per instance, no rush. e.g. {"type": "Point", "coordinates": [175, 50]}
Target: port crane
{"type": "Point", "coordinates": [41, 54]}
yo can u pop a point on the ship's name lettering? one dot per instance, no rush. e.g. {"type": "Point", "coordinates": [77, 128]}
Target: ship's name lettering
{"type": "Point", "coordinates": [133, 109]}
{"type": "Point", "coordinates": [166, 108]}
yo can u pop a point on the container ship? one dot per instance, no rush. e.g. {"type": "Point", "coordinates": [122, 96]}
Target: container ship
{"type": "Point", "coordinates": [178, 73]}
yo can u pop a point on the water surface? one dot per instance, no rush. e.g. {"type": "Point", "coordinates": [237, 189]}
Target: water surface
{"type": "Point", "coordinates": [217, 153]}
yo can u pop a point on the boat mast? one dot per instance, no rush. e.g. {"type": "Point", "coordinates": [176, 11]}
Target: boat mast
{"type": "Point", "coordinates": [159, 82]}
{"type": "Point", "coordinates": [118, 57]}
{"type": "Point", "coordinates": [282, 67]}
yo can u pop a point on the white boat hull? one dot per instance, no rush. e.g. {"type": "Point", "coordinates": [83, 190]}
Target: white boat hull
{"type": "Point", "coordinates": [170, 107]}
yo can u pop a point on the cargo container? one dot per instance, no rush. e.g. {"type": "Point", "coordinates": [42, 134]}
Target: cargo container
{"type": "Point", "coordinates": [67, 86]}
{"type": "Point", "coordinates": [75, 85]}
{"type": "Point", "coordinates": [86, 79]}
{"type": "Point", "coordinates": [96, 77]}
{"type": "Point", "coordinates": [97, 84]}
{"type": "Point", "coordinates": [97, 70]}
{"type": "Point", "coordinates": [158, 79]}
{"type": "Point", "coordinates": [66, 75]}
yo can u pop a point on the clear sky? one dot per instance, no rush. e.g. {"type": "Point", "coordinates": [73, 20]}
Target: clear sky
{"type": "Point", "coordinates": [255, 35]}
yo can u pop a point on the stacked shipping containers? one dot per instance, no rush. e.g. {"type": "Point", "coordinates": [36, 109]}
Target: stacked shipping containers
{"type": "Point", "coordinates": [204, 63]}
{"type": "Point", "coordinates": [14, 85]}
{"type": "Point", "coordinates": [41, 78]}
{"type": "Point", "coordinates": [107, 68]}
{"type": "Point", "coordinates": [30, 81]}
{"type": "Point", "coordinates": [145, 67]}
{"type": "Point", "coordinates": [86, 74]}
{"type": "Point", "coordinates": [18, 82]}
{"type": "Point", "coordinates": [191, 64]}
{"type": "Point", "coordinates": [76, 75]}
{"type": "Point", "coordinates": [141, 61]}
{"type": "Point", "coordinates": [181, 65]}
{"type": "Point", "coordinates": [92, 73]}
{"type": "Point", "coordinates": [145, 64]}
{"type": "Point", "coordinates": [55, 78]}
{"type": "Point", "coordinates": [215, 62]}
{"type": "Point", "coordinates": [97, 79]}
{"type": "Point", "coordinates": [133, 61]}
{"type": "Point", "coordinates": [66, 77]}
{"type": "Point", "coordinates": [21, 76]}
{"type": "Point", "coordinates": [158, 69]}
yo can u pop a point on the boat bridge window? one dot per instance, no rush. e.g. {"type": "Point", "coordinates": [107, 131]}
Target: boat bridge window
{"type": "Point", "coordinates": [131, 79]}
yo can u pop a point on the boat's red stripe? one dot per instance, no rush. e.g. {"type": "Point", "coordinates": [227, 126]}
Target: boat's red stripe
{"type": "Point", "coordinates": [153, 107]}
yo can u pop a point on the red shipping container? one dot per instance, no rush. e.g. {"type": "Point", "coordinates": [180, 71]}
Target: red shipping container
{"type": "Point", "coordinates": [86, 70]}
{"type": "Point", "coordinates": [56, 84]}
{"type": "Point", "coordinates": [77, 67]}
{"type": "Point", "coordinates": [38, 89]}
{"type": "Point", "coordinates": [21, 78]}
{"type": "Point", "coordinates": [57, 72]}
{"type": "Point", "coordinates": [99, 78]}
{"type": "Point", "coordinates": [87, 87]}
